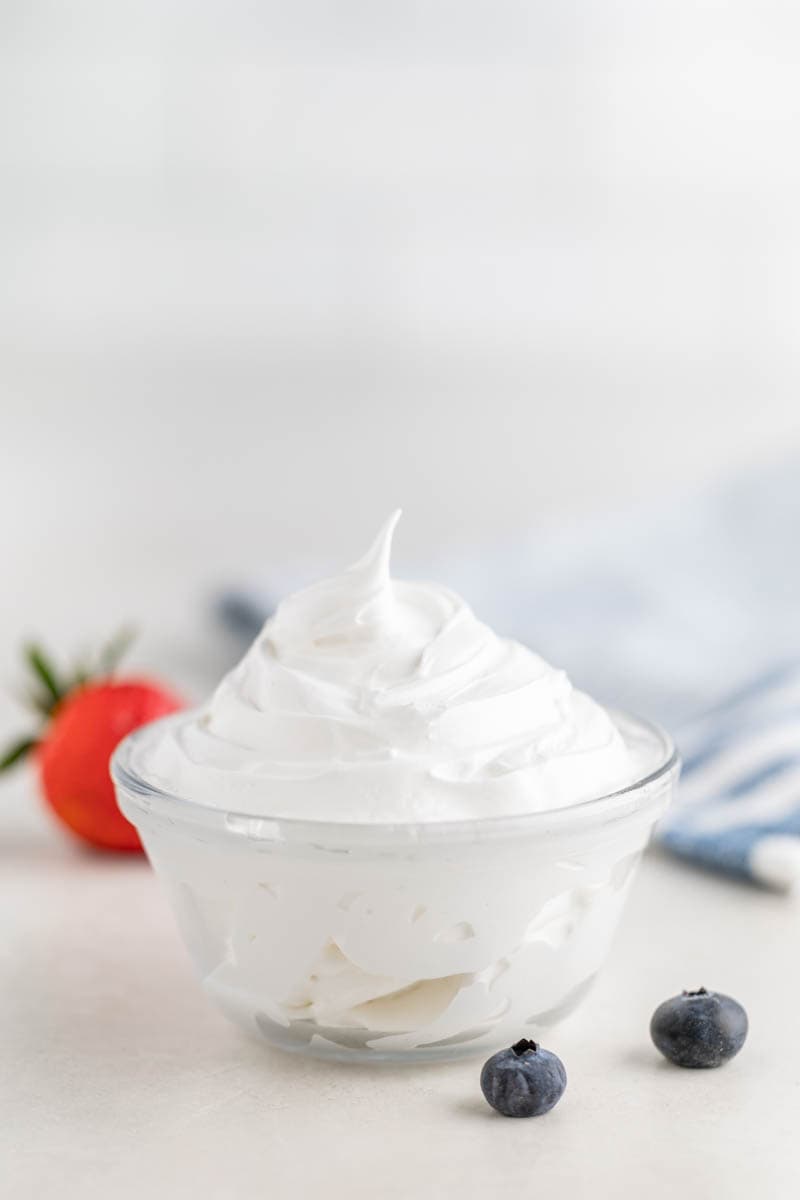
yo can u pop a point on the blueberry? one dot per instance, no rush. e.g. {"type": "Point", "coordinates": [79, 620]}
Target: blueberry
{"type": "Point", "coordinates": [699, 1029]}
{"type": "Point", "coordinates": [524, 1081]}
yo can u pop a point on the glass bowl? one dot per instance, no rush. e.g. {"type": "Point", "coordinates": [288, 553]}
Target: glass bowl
{"type": "Point", "coordinates": [398, 942]}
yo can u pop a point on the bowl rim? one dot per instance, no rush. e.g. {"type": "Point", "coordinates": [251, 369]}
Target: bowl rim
{"type": "Point", "coordinates": [137, 796]}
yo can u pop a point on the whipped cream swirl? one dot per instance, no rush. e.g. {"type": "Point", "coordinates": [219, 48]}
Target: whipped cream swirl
{"type": "Point", "coordinates": [369, 699]}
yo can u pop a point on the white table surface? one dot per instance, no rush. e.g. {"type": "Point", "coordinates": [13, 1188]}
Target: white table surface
{"type": "Point", "coordinates": [119, 1080]}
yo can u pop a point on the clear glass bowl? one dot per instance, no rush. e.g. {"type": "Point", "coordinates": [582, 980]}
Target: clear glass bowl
{"type": "Point", "coordinates": [399, 942]}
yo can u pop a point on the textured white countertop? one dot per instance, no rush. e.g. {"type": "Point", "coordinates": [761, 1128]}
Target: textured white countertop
{"type": "Point", "coordinates": [119, 1080]}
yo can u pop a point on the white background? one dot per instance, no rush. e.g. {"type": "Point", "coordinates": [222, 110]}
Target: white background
{"type": "Point", "coordinates": [267, 271]}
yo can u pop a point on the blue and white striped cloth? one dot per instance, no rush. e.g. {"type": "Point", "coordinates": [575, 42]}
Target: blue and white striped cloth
{"type": "Point", "coordinates": [686, 612]}
{"type": "Point", "coordinates": [738, 805]}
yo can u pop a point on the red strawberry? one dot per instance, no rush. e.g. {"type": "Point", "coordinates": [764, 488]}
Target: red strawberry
{"type": "Point", "coordinates": [85, 721]}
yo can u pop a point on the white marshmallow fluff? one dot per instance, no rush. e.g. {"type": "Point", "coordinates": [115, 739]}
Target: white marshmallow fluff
{"type": "Point", "coordinates": [368, 699]}
{"type": "Point", "coordinates": [321, 825]}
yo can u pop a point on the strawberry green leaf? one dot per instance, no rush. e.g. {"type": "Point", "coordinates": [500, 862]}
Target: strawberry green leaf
{"type": "Point", "coordinates": [39, 703]}
{"type": "Point", "coordinates": [44, 672]}
{"type": "Point", "coordinates": [114, 650]}
{"type": "Point", "coordinates": [82, 672]}
{"type": "Point", "coordinates": [17, 752]}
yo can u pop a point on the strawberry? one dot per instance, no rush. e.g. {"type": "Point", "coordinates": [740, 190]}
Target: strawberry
{"type": "Point", "coordinates": [85, 718]}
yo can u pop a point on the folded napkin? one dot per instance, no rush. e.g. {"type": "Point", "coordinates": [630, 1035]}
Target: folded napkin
{"type": "Point", "coordinates": [738, 806]}
{"type": "Point", "coordinates": [685, 611]}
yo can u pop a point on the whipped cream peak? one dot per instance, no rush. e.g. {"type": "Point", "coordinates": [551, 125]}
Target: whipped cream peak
{"type": "Point", "coordinates": [373, 568]}
{"type": "Point", "coordinates": [371, 699]}
{"type": "Point", "coordinates": [339, 613]}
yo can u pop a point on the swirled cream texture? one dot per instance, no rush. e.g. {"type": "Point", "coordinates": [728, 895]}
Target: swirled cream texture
{"type": "Point", "coordinates": [368, 699]}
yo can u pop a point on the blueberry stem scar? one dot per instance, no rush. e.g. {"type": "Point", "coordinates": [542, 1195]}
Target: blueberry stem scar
{"type": "Point", "coordinates": [523, 1046]}
{"type": "Point", "coordinates": [699, 992]}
